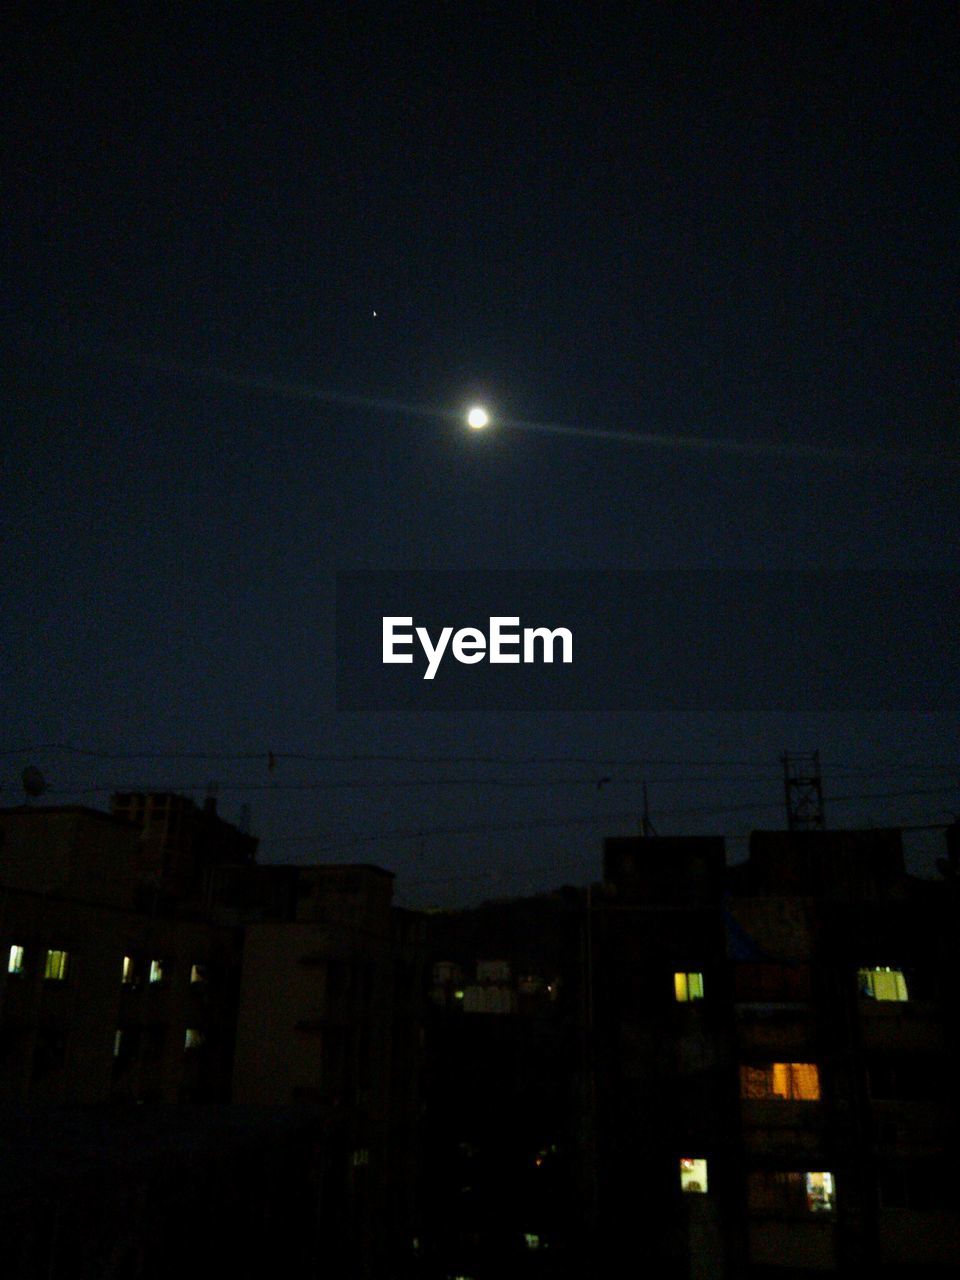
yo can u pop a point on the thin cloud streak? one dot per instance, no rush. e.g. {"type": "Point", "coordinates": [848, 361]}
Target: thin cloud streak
{"type": "Point", "coordinates": [307, 393]}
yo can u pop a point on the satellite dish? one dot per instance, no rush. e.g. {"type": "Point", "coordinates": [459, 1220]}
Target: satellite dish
{"type": "Point", "coordinates": [34, 783]}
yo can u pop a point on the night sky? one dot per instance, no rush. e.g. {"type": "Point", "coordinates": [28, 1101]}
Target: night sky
{"type": "Point", "coordinates": [256, 267]}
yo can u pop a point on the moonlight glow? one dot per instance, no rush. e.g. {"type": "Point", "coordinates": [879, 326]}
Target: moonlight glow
{"type": "Point", "coordinates": [477, 418]}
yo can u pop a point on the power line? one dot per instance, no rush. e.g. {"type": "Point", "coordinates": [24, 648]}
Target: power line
{"type": "Point", "coordinates": [352, 784]}
{"type": "Point", "coordinates": [382, 758]}
{"type": "Point", "coordinates": [510, 783]}
{"type": "Point", "coordinates": [266, 756]}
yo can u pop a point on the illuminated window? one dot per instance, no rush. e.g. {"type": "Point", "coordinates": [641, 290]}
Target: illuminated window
{"type": "Point", "coordinates": [129, 971]}
{"type": "Point", "coordinates": [693, 1174]}
{"type": "Point", "coordinates": [688, 986]}
{"type": "Point", "coordinates": [796, 1081]}
{"type": "Point", "coordinates": [198, 974]}
{"type": "Point", "coordinates": [820, 1192]}
{"type": "Point", "coordinates": [194, 1039]}
{"type": "Point", "coordinates": [55, 969]}
{"type": "Point", "coordinates": [15, 960]}
{"type": "Point", "coordinates": [531, 1240]}
{"type": "Point", "coordinates": [883, 984]}
{"type": "Point", "coordinates": [360, 1157]}
{"type": "Point", "coordinates": [156, 971]}
{"type": "Point", "coordinates": [792, 1193]}
{"type": "Point", "coordinates": [117, 1043]}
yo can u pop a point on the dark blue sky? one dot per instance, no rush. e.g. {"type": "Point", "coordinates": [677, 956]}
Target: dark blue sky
{"type": "Point", "coordinates": [734, 221]}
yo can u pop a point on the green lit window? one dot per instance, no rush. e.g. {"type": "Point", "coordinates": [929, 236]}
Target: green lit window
{"type": "Point", "coordinates": [55, 969]}
{"type": "Point", "coordinates": [883, 984]}
{"type": "Point", "coordinates": [15, 960]}
{"type": "Point", "coordinates": [156, 971]}
{"type": "Point", "coordinates": [688, 986]}
{"type": "Point", "coordinates": [693, 1174]}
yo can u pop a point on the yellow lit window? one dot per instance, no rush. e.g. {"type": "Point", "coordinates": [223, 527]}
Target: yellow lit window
{"type": "Point", "coordinates": [793, 1081]}
{"type": "Point", "coordinates": [15, 960]}
{"type": "Point", "coordinates": [693, 1174]}
{"type": "Point", "coordinates": [194, 1038]}
{"type": "Point", "coordinates": [55, 968]}
{"type": "Point", "coordinates": [198, 974]}
{"type": "Point", "coordinates": [688, 986]}
{"type": "Point", "coordinates": [883, 984]}
{"type": "Point", "coordinates": [128, 970]}
{"type": "Point", "coordinates": [820, 1192]}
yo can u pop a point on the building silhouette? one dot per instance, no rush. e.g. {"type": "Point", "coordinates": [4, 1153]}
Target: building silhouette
{"type": "Point", "coordinates": [160, 987]}
{"type": "Point", "coordinates": [746, 1071]}
{"type": "Point", "coordinates": [717, 1071]}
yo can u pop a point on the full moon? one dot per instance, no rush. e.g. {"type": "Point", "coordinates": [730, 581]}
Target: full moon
{"type": "Point", "coordinates": [477, 418]}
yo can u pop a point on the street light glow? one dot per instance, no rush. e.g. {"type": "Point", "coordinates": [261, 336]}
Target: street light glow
{"type": "Point", "coordinates": [477, 418]}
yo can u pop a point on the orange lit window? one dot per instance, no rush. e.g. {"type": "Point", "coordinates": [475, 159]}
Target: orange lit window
{"type": "Point", "coordinates": [794, 1081]}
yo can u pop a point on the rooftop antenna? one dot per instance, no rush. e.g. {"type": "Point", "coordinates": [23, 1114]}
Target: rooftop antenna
{"type": "Point", "coordinates": [646, 826]}
{"type": "Point", "coordinates": [803, 790]}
